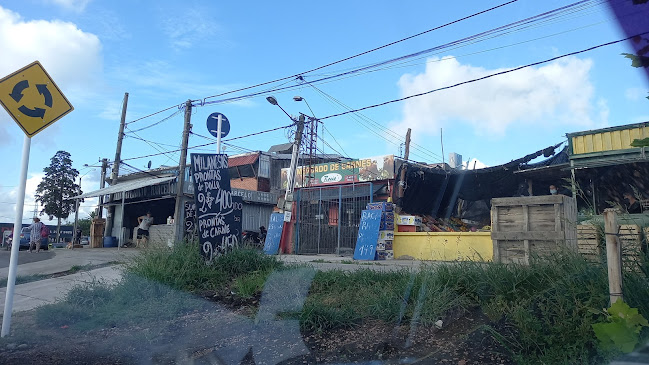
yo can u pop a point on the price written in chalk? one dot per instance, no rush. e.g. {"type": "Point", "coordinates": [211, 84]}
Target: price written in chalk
{"type": "Point", "coordinates": [218, 230]}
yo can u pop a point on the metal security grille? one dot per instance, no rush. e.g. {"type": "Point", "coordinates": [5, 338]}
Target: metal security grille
{"type": "Point", "coordinates": [328, 218]}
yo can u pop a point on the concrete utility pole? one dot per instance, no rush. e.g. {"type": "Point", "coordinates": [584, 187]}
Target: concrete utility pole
{"type": "Point", "coordinates": [404, 167]}
{"type": "Point", "coordinates": [296, 150]}
{"type": "Point", "coordinates": [181, 171]}
{"type": "Point", "coordinates": [102, 184]}
{"type": "Point", "coordinates": [115, 173]}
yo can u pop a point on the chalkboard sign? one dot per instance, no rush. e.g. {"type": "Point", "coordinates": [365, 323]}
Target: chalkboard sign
{"type": "Point", "coordinates": [214, 204]}
{"type": "Point", "coordinates": [190, 221]}
{"type": "Point", "coordinates": [368, 235]}
{"type": "Point", "coordinates": [274, 234]}
{"type": "Point", "coordinates": [237, 227]}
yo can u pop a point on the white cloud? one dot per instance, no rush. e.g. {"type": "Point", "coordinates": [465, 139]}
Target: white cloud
{"type": "Point", "coordinates": [559, 93]}
{"type": "Point", "coordinates": [636, 93]}
{"type": "Point", "coordinates": [9, 196]}
{"type": "Point", "coordinates": [89, 183]}
{"type": "Point", "coordinates": [161, 80]}
{"type": "Point", "coordinates": [72, 57]}
{"type": "Point", "coordinates": [193, 25]}
{"type": "Point", "coordinates": [474, 164]}
{"type": "Point", "coordinates": [74, 5]}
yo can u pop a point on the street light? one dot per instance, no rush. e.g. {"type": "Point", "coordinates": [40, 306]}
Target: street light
{"type": "Point", "coordinates": [273, 101]}
{"type": "Point", "coordinates": [296, 148]}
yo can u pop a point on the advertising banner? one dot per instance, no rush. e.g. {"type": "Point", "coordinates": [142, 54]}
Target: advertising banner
{"type": "Point", "coordinates": [330, 173]}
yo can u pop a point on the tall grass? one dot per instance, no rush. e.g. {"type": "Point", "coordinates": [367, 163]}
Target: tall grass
{"type": "Point", "coordinates": [541, 312]}
{"type": "Point", "coordinates": [182, 267]}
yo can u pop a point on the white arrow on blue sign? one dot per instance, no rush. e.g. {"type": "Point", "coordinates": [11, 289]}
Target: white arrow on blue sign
{"type": "Point", "coordinates": [212, 126]}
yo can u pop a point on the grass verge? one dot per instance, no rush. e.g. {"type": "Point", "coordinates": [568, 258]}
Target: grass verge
{"type": "Point", "coordinates": [542, 312]}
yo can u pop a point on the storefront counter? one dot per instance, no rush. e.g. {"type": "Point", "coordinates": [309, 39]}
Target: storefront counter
{"type": "Point", "coordinates": [443, 246]}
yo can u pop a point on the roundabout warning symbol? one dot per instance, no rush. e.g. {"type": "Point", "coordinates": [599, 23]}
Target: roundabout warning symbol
{"type": "Point", "coordinates": [32, 98]}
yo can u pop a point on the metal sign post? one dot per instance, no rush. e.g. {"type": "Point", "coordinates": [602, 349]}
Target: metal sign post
{"type": "Point", "coordinates": [218, 126]}
{"type": "Point", "coordinates": [33, 112]}
{"type": "Point", "coordinates": [15, 244]}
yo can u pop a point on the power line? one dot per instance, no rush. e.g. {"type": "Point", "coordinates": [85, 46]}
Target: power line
{"type": "Point", "coordinates": [365, 52]}
{"type": "Point", "coordinates": [181, 106]}
{"type": "Point", "coordinates": [482, 78]}
{"type": "Point", "coordinates": [424, 152]}
{"type": "Point", "coordinates": [467, 40]}
{"type": "Point", "coordinates": [158, 122]}
{"type": "Point", "coordinates": [211, 143]}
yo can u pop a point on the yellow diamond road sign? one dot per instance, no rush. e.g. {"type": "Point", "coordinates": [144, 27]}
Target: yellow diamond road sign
{"type": "Point", "coordinates": [32, 98]}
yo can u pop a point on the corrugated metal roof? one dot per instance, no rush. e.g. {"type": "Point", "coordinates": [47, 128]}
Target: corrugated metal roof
{"type": "Point", "coordinates": [243, 160]}
{"type": "Point", "coordinates": [125, 186]}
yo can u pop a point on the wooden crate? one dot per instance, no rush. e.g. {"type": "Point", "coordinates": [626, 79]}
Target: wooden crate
{"type": "Point", "coordinates": [630, 240]}
{"type": "Point", "coordinates": [522, 227]}
{"type": "Point", "coordinates": [588, 242]}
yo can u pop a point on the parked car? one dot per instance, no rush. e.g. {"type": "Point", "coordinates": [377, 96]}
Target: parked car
{"type": "Point", "coordinates": [24, 240]}
{"type": "Point", "coordinates": [85, 240]}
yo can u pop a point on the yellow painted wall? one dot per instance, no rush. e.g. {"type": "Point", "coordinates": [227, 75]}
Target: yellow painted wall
{"type": "Point", "coordinates": [444, 246]}
{"type": "Point", "coordinates": [608, 141]}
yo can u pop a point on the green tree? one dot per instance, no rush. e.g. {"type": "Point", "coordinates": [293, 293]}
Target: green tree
{"type": "Point", "coordinates": [57, 187]}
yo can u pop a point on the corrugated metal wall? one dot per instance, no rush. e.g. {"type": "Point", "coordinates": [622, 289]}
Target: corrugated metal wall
{"type": "Point", "coordinates": [608, 140]}
{"type": "Point", "coordinates": [255, 216]}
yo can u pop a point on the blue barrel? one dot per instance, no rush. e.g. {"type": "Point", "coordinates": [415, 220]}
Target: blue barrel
{"type": "Point", "coordinates": [110, 241]}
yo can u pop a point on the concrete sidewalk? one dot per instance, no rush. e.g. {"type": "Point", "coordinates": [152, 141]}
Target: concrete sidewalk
{"type": "Point", "coordinates": [64, 259]}
{"type": "Point", "coordinates": [28, 296]}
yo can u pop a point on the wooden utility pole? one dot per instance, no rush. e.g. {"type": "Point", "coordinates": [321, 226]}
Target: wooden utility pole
{"type": "Point", "coordinates": [181, 171]}
{"type": "Point", "coordinates": [404, 167]}
{"type": "Point", "coordinates": [613, 255]}
{"type": "Point", "coordinates": [102, 184]}
{"type": "Point", "coordinates": [115, 173]}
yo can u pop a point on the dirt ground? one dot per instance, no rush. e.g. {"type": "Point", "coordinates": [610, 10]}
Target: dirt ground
{"type": "Point", "coordinates": [225, 333]}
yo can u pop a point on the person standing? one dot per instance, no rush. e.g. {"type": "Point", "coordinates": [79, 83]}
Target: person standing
{"type": "Point", "coordinates": [35, 235]}
{"type": "Point", "coordinates": [144, 222]}
{"type": "Point", "coordinates": [634, 205]}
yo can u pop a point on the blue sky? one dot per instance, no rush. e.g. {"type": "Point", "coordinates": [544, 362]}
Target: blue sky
{"type": "Point", "coordinates": [165, 52]}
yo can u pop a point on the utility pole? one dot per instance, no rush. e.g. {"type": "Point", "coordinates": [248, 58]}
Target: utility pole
{"type": "Point", "coordinates": [294, 157]}
{"type": "Point", "coordinates": [288, 197]}
{"type": "Point", "coordinates": [102, 184]}
{"type": "Point", "coordinates": [76, 219]}
{"type": "Point", "coordinates": [181, 171]}
{"type": "Point", "coordinates": [404, 167]}
{"type": "Point", "coordinates": [115, 172]}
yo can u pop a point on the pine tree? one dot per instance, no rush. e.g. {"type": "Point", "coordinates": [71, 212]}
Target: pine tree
{"type": "Point", "coordinates": [57, 187]}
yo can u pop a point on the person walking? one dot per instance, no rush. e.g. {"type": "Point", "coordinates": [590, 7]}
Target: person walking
{"type": "Point", "coordinates": [35, 235]}
{"type": "Point", "coordinates": [144, 222]}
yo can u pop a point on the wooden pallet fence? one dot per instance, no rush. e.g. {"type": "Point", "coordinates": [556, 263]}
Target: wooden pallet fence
{"type": "Point", "coordinates": [588, 243]}
{"type": "Point", "coordinates": [631, 241]}
{"type": "Point", "coordinates": [523, 227]}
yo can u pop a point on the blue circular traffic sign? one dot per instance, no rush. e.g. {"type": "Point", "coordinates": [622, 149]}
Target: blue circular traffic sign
{"type": "Point", "coordinates": [212, 125]}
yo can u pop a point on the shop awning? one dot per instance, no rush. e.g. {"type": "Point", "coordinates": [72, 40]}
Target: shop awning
{"type": "Point", "coordinates": [125, 186]}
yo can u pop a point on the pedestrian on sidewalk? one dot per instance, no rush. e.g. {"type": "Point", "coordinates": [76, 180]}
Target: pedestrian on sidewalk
{"type": "Point", "coordinates": [144, 222]}
{"type": "Point", "coordinates": [35, 234]}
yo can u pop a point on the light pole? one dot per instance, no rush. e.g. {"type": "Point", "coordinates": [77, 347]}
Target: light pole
{"type": "Point", "coordinates": [76, 211]}
{"type": "Point", "coordinates": [296, 148]}
{"type": "Point", "coordinates": [287, 204]}
{"type": "Point", "coordinates": [312, 146]}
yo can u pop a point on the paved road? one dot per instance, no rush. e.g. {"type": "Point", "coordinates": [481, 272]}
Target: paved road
{"type": "Point", "coordinates": [24, 257]}
{"type": "Point", "coordinates": [61, 259]}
